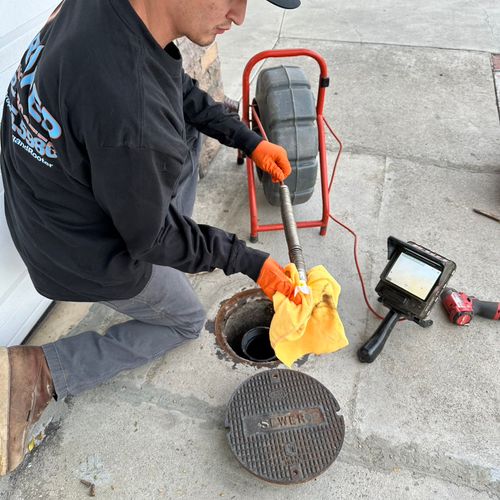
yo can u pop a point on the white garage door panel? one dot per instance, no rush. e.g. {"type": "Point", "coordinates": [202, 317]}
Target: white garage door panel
{"type": "Point", "coordinates": [10, 56]}
{"type": "Point", "coordinates": [20, 305]}
{"type": "Point", "coordinates": [20, 311]}
{"type": "Point", "coordinates": [11, 262]}
{"type": "Point", "coordinates": [14, 40]}
{"type": "Point", "coordinates": [5, 77]}
{"type": "Point", "coordinates": [16, 13]}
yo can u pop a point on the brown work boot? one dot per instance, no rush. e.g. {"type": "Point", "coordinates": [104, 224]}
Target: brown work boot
{"type": "Point", "coordinates": [25, 391]}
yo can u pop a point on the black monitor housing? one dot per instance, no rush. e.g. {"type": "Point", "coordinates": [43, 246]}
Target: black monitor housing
{"type": "Point", "coordinates": [409, 286]}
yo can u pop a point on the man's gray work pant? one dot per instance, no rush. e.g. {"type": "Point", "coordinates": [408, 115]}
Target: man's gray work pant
{"type": "Point", "coordinates": [166, 313]}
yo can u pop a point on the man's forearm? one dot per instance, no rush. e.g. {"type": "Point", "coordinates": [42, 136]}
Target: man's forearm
{"type": "Point", "coordinates": [215, 120]}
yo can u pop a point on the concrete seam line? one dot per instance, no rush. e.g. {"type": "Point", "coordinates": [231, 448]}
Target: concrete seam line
{"type": "Point", "coordinates": [384, 44]}
{"type": "Point", "coordinates": [429, 162]}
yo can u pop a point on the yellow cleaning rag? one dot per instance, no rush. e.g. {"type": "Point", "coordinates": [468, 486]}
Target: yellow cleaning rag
{"type": "Point", "coordinates": [311, 327]}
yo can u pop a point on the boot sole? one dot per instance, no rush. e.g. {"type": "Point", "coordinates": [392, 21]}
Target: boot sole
{"type": "Point", "coordinates": [4, 409]}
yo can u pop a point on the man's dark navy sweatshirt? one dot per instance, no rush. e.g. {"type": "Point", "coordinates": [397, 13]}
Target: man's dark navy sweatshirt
{"type": "Point", "coordinates": [93, 142]}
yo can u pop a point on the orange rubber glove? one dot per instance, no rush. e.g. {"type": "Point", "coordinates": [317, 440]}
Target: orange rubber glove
{"type": "Point", "coordinates": [272, 279]}
{"type": "Point", "coordinates": [272, 159]}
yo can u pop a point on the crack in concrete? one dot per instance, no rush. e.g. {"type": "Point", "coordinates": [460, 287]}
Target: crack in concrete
{"type": "Point", "coordinates": [358, 33]}
{"type": "Point", "coordinates": [382, 193]}
{"type": "Point", "coordinates": [155, 367]}
{"type": "Point", "coordinates": [280, 30]}
{"type": "Point", "coordinates": [488, 21]}
{"type": "Point", "coordinates": [354, 406]}
{"type": "Point", "coordinates": [368, 274]}
{"type": "Point", "coordinates": [261, 64]}
{"type": "Point", "coordinates": [212, 417]}
{"type": "Point", "coordinates": [373, 452]}
{"type": "Point", "coordinates": [376, 453]}
{"type": "Point", "coordinates": [496, 87]}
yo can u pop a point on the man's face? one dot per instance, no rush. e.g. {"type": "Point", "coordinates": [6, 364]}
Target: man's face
{"type": "Point", "coordinates": [202, 20]}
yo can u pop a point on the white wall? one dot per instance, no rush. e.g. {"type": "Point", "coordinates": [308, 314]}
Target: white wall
{"type": "Point", "coordinates": [20, 305]}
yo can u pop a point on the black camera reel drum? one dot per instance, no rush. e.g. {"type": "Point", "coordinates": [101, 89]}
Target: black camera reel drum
{"type": "Point", "coordinates": [286, 107]}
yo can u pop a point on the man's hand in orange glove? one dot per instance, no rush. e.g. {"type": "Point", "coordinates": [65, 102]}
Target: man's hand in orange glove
{"type": "Point", "coordinates": [272, 279]}
{"type": "Point", "coordinates": [272, 159]}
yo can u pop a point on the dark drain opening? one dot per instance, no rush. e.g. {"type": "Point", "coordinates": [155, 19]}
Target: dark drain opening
{"type": "Point", "coordinates": [256, 346]}
{"type": "Point", "coordinates": [242, 327]}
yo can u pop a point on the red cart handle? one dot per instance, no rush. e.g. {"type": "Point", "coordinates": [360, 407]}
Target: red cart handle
{"type": "Point", "coordinates": [266, 54]}
{"type": "Point", "coordinates": [320, 122]}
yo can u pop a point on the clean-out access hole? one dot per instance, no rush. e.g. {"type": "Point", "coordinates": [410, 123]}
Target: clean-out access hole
{"type": "Point", "coordinates": [242, 327]}
{"type": "Point", "coordinates": [256, 346]}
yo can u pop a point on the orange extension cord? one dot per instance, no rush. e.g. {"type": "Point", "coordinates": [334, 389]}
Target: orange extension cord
{"type": "Point", "coordinates": [347, 228]}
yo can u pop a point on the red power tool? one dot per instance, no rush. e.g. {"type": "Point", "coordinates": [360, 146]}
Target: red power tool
{"type": "Point", "coordinates": [461, 307]}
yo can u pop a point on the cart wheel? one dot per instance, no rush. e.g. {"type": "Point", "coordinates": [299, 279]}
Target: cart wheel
{"type": "Point", "coordinates": [286, 107]}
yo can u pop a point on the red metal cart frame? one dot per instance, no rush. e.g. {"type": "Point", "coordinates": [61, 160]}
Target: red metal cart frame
{"type": "Point", "coordinates": [255, 227]}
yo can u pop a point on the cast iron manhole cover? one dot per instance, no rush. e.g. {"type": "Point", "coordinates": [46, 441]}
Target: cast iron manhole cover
{"type": "Point", "coordinates": [283, 426]}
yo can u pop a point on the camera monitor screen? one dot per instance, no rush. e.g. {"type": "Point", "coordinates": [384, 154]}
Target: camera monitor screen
{"type": "Point", "coordinates": [413, 275]}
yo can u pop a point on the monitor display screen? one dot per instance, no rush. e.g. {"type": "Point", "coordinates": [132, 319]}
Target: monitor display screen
{"type": "Point", "coordinates": [413, 275]}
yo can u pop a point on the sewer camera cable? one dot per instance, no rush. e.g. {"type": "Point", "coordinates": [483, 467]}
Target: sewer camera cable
{"type": "Point", "coordinates": [291, 234]}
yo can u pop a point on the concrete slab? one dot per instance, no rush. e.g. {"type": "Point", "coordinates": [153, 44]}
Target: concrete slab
{"type": "Point", "coordinates": [186, 457]}
{"type": "Point", "coordinates": [410, 433]}
{"type": "Point", "coordinates": [439, 387]}
{"type": "Point", "coordinates": [421, 151]}
{"type": "Point", "coordinates": [432, 106]}
{"type": "Point", "coordinates": [228, 187]}
{"type": "Point", "coordinates": [63, 317]}
{"type": "Point", "coordinates": [400, 393]}
{"type": "Point", "coordinates": [447, 24]}
{"type": "Point", "coordinates": [407, 435]}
